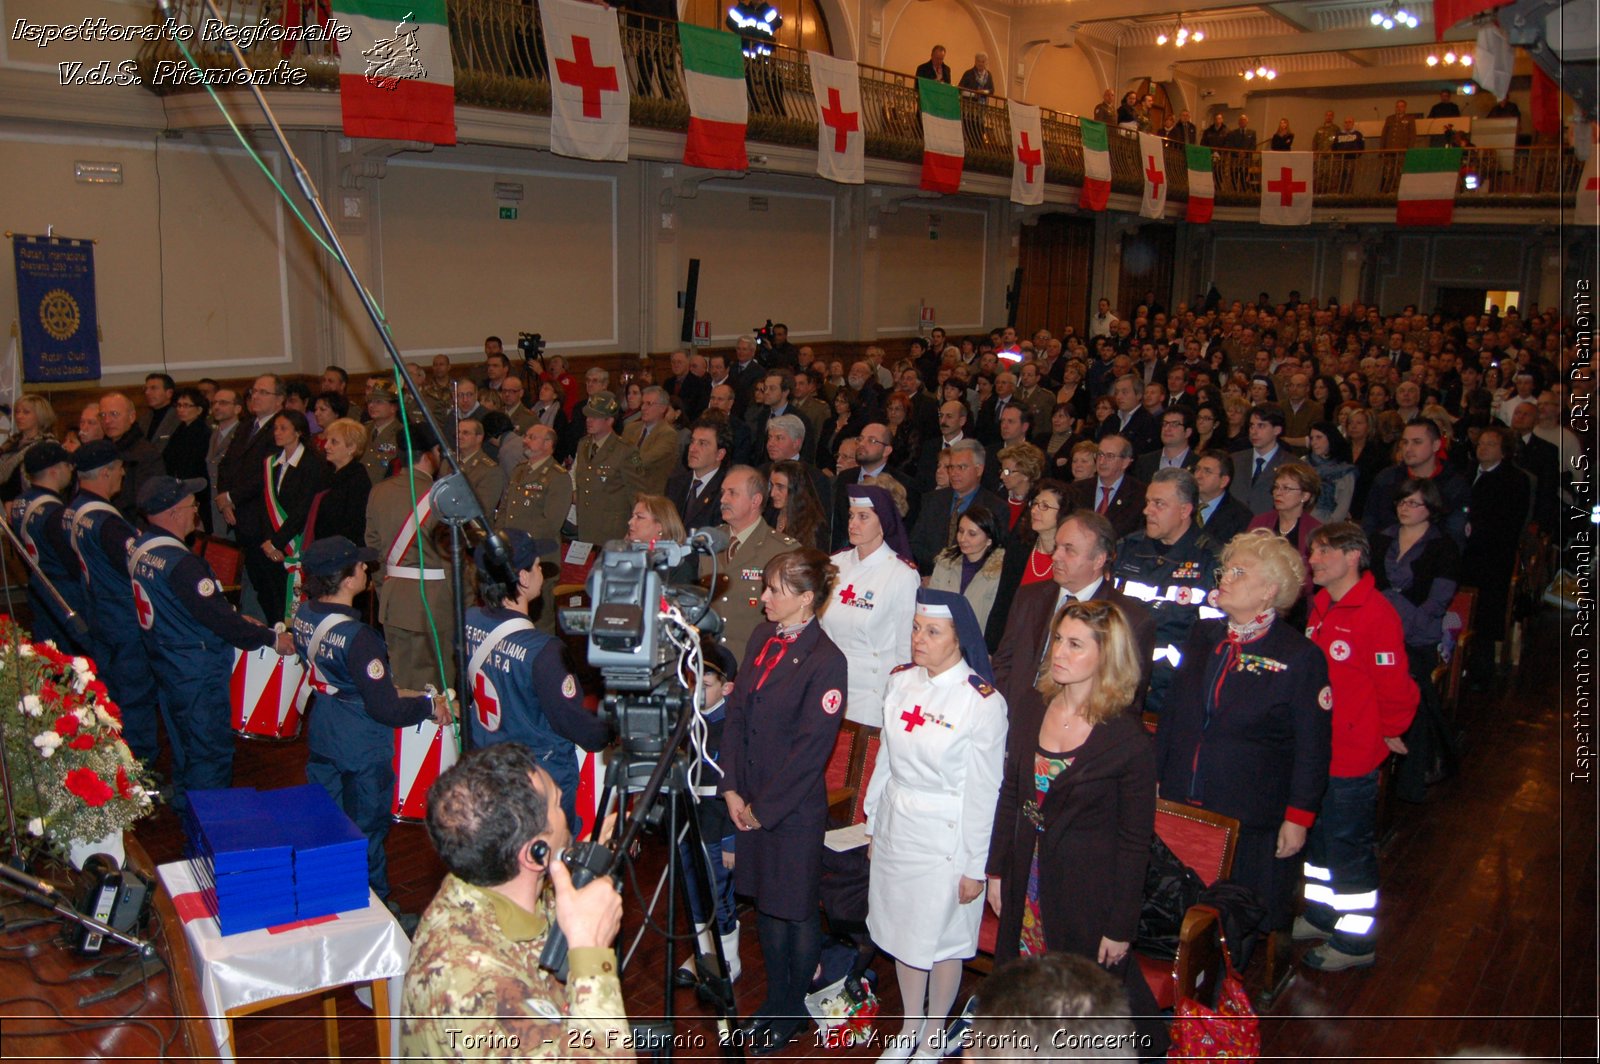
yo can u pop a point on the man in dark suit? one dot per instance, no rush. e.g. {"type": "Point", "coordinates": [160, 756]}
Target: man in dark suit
{"type": "Point", "coordinates": [935, 69]}
{"type": "Point", "coordinates": [874, 448]}
{"type": "Point", "coordinates": [241, 475]}
{"type": "Point", "coordinates": [1501, 494]}
{"type": "Point", "coordinates": [1085, 550]}
{"type": "Point", "coordinates": [1113, 492]}
{"type": "Point", "coordinates": [936, 523]}
{"type": "Point", "coordinates": [744, 374]}
{"type": "Point", "coordinates": [775, 397]}
{"type": "Point", "coordinates": [1252, 469]}
{"type": "Point", "coordinates": [690, 390]}
{"type": "Point", "coordinates": [1541, 459]}
{"type": "Point", "coordinates": [1130, 419]}
{"type": "Point", "coordinates": [1219, 513]}
{"type": "Point", "coordinates": [744, 449]}
{"type": "Point", "coordinates": [696, 490]}
{"type": "Point", "coordinates": [1177, 430]}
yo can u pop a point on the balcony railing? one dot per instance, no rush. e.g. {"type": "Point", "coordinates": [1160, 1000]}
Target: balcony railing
{"type": "Point", "coordinates": [500, 63]}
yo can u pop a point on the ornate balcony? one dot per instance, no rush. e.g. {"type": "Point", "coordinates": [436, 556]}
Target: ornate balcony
{"type": "Point", "coordinates": [500, 64]}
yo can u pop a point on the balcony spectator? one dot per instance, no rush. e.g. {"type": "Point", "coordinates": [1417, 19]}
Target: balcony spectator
{"type": "Point", "coordinates": [1185, 131]}
{"type": "Point", "coordinates": [1106, 110]}
{"type": "Point", "coordinates": [1216, 134]}
{"type": "Point", "coordinates": [1349, 138]}
{"type": "Point", "coordinates": [1399, 129]}
{"type": "Point", "coordinates": [1128, 111]}
{"type": "Point", "coordinates": [1505, 108]}
{"type": "Point", "coordinates": [935, 69]}
{"type": "Point", "coordinates": [1445, 108]}
{"type": "Point", "coordinates": [978, 78]}
{"type": "Point", "coordinates": [1322, 139]}
{"type": "Point", "coordinates": [1283, 139]}
{"type": "Point", "coordinates": [1242, 138]}
{"type": "Point", "coordinates": [1169, 128]}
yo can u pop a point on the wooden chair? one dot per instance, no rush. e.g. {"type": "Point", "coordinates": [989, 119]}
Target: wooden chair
{"type": "Point", "coordinates": [1448, 675]}
{"type": "Point", "coordinates": [1205, 842]}
{"type": "Point", "coordinates": [871, 744]}
{"type": "Point", "coordinates": [843, 774]}
{"type": "Point", "coordinates": [225, 559]}
{"type": "Point", "coordinates": [187, 1004]}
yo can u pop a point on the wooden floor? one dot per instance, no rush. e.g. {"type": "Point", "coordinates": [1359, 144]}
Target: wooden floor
{"type": "Point", "coordinates": [1487, 932]}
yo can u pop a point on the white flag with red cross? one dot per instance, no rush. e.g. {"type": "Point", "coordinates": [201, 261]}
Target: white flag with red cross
{"type": "Point", "coordinates": [588, 83]}
{"type": "Point", "coordinates": [1027, 153]}
{"type": "Point", "coordinates": [1286, 188]}
{"type": "Point", "coordinates": [841, 138]}
{"type": "Point", "coordinates": [1153, 161]}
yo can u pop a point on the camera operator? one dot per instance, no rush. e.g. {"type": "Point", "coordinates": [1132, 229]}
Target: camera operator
{"type": "Point", "coordinates": [522, 690]}
{"type": "Point", "coordinates": [473, 987]}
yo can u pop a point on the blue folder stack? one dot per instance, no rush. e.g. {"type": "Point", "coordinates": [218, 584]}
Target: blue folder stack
{"type": "Point", "coordinates": [273, 857]}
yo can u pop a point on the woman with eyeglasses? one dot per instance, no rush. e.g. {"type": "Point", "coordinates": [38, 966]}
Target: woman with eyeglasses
{"type": "Point", "coordinates": [1246, 730]}
{"type": "Point", "coordinates": [1021, 467]}
{"type": "Point", "coordinates": [185, 453]}
{"type": "Point", "coordinates": [1417, 566]}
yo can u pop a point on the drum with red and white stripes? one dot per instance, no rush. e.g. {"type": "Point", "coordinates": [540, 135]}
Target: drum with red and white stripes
{"type": "Point", "coordinates": [421, 753]}
{"type": "Point", "coordinates": [268, 695]}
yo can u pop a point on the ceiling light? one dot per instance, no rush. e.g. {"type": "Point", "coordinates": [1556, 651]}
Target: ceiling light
{"type": "Point", "coordinates": [1391, 15]}
{"type": "Point", "coordinates": [1433, 60]}
{"type": "Point", "coordinates": [1466, 60]}
{"type": "Point", "coordinates": [1468, 88]}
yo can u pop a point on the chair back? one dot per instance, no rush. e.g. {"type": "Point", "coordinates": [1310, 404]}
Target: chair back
{"type": "Point", "coordinates": [869, 761]}
{"type": "Point", "coordinates": [837, 774]}
{"type": "Point", "coordinates": [1200, 838]}
{"type": "Point", "coordinates": [224, 559]}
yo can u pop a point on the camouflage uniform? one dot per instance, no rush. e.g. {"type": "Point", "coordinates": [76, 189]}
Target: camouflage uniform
{"type": "Point", "coordinates": [488, 480]}
{"type": "Point", "coordinates": [382, 446]}
{"type": "Point", "coordinates": [439, 401]}
{"type": "Point", "coordinates": [405, 625]}
{"type": "Point", "coordinates": [474, 988]}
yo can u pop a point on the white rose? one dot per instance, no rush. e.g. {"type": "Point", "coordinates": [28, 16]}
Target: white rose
{"type": "Point", "coordinates": [81, 666]}
{"type": "Point", "coordinates": [25, 651]}
{"type": "Point", "coordinates": [106, 719]}
{"type": "Point", "coordinates": [31, 705]}
{"type": "Point", "coordinates": [36, 826]}
{"type": "Point", "coordinates": [47, 742]}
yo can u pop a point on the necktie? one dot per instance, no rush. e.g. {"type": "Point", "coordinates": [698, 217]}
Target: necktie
{"type": "Point", "coordinates": [1105, 499]}
{"type": "Point", "coordinates": [1257, 474]}
{"type": "Point", "coordinates": [733, 548]}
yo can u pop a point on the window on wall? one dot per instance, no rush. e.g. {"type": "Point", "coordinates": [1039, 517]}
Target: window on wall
{"type": "Point", "coordinates": [804, 25]}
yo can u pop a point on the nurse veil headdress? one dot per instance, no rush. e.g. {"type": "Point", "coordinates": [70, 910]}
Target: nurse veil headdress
{"type": "Point", "coordinates": [882, 504]}
{"type": "Point", "coordinates": [949, 604]}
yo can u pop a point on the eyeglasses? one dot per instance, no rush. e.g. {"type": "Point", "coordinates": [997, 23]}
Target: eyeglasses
{"type": "Point", "coordinates": [1111, 457]}
{"type": "Point", "coordinates": [1222, 575]}
{"type": "Point", "coordinates": [1410, 504]}
{"type": "Point", "coordinates": [1045, 504]}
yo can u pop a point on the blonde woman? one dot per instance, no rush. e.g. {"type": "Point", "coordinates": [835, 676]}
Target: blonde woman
{"type": "Point", "coordinates": [33, 420]}
{"type": "Point", "coordinates": [1247, 729]}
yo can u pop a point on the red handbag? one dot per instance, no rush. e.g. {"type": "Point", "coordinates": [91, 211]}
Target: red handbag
{"type": "Point", "coordinates": [1231, 1031]}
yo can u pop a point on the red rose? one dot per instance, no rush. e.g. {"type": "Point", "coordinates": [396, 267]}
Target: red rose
{"type": "Point", "coordinates": [84, 741]}
{"type": "Point", "coordinates": [87, 784]}
{"type": "Point", "coordinates": [124, 788]}
{"type": "Point", "coordinates": [67, 725]}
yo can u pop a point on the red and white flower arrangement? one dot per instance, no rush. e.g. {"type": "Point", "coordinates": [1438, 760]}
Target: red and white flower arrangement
{"type": "Point", "coordinates": [72, 776]}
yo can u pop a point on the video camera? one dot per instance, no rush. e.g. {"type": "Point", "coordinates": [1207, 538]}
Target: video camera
{"type": "Point", "coordinates": [531, 345]}
{"type": "Point", "coordinates": [763, 333]}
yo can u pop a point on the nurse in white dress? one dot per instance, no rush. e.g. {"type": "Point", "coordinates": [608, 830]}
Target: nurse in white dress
{"type": "Point", "coordinates": [873, 600]}
{"type": "Point", "coordinates": [930, 808]}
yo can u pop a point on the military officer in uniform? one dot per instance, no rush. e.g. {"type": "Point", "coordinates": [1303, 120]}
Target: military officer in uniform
{"type": "Point", "coordinates": [383, 431]}
{"type": "Point", "coordinates": [752, 544]}
{"type": "Point", "coordinates": [101, 538]}
{"type": "Point", "coordinates": [411, 557]}
{"type": "Point", "coordinates": [37, 517]}
{"type": "Point", "coordinates": [522, 689]}
{"type": "Point", "coordinates": [435, 389]}
{"type": "Point", "coordinates": [190, 632]}
{"type": "Point", "coordinates": [482, 472]}
{"type": "Point", "coordinates": [474, 978]}
{"type": "Point", "coordinates": [1170, 567]}
{"type": "Point", "coordinates": [606, 473]}
{"type": "Point", "coordinates": [512, 393]}
{"type": "Point", "coordinates": [536, 501]}
{"type": "Point", "coordinates": [356, 708]}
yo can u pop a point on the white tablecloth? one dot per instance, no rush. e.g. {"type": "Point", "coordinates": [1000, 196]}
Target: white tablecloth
{"type": "Point", "coordinates": [351, 947]}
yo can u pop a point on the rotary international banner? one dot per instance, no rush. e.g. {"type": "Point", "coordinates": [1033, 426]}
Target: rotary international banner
{"type": "Point", "coordinates": [55, 302]}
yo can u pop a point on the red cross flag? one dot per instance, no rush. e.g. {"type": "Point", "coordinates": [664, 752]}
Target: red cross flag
{"type": "Point", "coordinates": [1587, 211]}
{"type": "Point", "coordinates": [588, 85]}
{"type": "Point", "coordinates": [1153, 161]}
{"type": "Point", "coordinates": [1027, 153]}
{"type": "Point", "coordinates": [841, 140]}
{"type": "Point", "coordinates": [1285, 188]}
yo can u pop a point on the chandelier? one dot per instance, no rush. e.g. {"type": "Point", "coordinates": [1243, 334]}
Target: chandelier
{"type": "Point", "coordinates": [1260, 70]}
{"type": "Point", "coordinates": [1181, 36]}
{"type": "Point", "coordinates": [1394, 14]}
{"type": "Point", "coordinates": [1449, 59]}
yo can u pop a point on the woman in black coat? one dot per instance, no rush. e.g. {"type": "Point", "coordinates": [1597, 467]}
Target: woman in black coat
{"type": "Point", "coordinates": [295, 472]}
{"type": "Point", "coordinates": [1067, 862]}
{"type": "Point", "coordinates": [185, 453]}
{"type": "Point", "coordinates": [340, 509]}
{"type": "Point", "coordinates": [780, 729]}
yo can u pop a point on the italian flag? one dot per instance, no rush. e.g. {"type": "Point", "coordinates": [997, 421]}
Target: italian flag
{"type": "Point", "coordinates": [395, 77]}
{"type": "Point", "coordinates": [1096, 166]}
{"type": "Point", "coordinates": [713, 79]}
{"type": "Point", "coordinates": [942, 146]}
{"type": "Point", "coordinates": [1428, 186]}
{"type": "Point", "coordinates": [1202, 188]}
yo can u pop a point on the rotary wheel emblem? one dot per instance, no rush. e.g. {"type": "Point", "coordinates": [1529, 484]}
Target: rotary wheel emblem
{"type": "Point", "coordinates": [58, 313]}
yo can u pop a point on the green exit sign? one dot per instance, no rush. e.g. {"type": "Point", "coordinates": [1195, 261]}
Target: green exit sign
{"type": "Point", "coordinates": [508, 214]}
